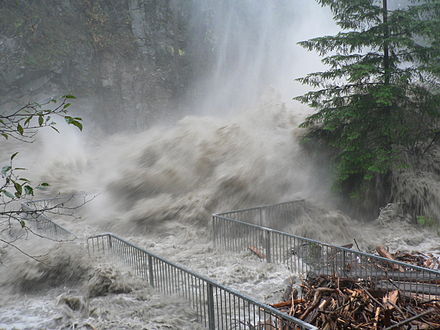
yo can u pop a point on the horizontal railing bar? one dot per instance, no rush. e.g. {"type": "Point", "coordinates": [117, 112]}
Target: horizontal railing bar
{"type": "Point", "coordinates": [424, 288]}
{"type": "Point", "coordinates": [259, 207]}
{"type": "Point", "coordinates": [409, 277]}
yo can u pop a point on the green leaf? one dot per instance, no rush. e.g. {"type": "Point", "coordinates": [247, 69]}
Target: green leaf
{"type": "Point", "coordinates": [42, 186]}
{"type": "Point", "coordinates": [7, 193]}
{"type": "Point", "coordinates": [13, 155]}
{"type": "Point", "coordinates": [73, 121]}
{"type": "Point", "coordinates": [20, 129]}
{"type": "Point", "coordinates": [77, 124]}
{"type": "Point", "coordinates": [29, 190]}
{"type": "Point", "coordinates": [18, 189]}
{"type": "Point", "coordinates": [6, 169]}
{"type": "Point", "coordinates": [28, 120]}
{"type": "Point", "coordinates": [6, 136]}
{"type": "Point", "coordinates": [67, 105]}
{"type": "Point", "coordinates": [22, 223]}
{"type": "Point", "coordinates": [69, 97]}
{"type": "Point", "coordinates": [40, 120]}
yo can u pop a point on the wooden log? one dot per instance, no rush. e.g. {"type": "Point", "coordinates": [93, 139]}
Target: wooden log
{"type": "Point", "coordinates": [390, 299]}
{"type": "Point", "coordinates": [323, 305]}
{"type": "Point", "coordinates": [287, 303]}
{"type": "Point", "coordinates": [384, 253]}
{"type": "Point", "coordinates": [397, 325]}
{"type": "Point", "coordinates": [316, 300]}
{"type": "Point", "coordinates": [257, 252]}
{"type": "Point", "coordinates": [376, 318]}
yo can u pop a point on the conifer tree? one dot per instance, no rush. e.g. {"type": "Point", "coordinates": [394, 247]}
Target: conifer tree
{"type": "Point", "coordinates": [380, 96]}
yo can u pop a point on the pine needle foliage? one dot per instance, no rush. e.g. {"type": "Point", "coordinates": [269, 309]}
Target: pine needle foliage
{"type": "Point", "coordinates": [380, 94]}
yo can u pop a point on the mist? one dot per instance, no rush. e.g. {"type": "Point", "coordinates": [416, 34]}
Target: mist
{"type": "Point", "coordinates": [235, 145]}
{"type": "Point", "coordinates": [255, 51]}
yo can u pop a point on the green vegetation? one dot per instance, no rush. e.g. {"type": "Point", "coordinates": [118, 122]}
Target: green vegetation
{"type": "Point", "coordinates": [426, 221]}
{"type": "Point", "coordinates": [379, 99]}
{"type": "Point", "coordinates": [22, 125]}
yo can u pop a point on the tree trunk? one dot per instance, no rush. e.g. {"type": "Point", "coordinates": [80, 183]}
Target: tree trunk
{"type": "Point", "coordinates": [386, 50]}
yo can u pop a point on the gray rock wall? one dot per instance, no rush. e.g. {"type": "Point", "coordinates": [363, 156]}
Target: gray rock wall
{"type": "Point", "coordinates": [126, 60]}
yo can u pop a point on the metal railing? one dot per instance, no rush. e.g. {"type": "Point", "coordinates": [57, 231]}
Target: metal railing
{"type": "Point", "coordinates": [38, 222]}
{"type": "Point", "coordinates": [276, 216]}
{"type": "Point", "coordinates": [243, 229]}
{"type": "Point", "coordinates": [217, 306]}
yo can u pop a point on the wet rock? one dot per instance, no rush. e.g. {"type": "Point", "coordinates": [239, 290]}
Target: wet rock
{"type": "Point", "coordinates": [116, 55]}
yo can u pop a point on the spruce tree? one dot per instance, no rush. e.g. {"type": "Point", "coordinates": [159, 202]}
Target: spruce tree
{"type": "Point", "coordinates": [380, 96]}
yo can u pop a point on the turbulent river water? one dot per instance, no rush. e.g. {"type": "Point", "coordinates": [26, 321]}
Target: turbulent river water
{"type": "Point", "coordinates": [158, 188]}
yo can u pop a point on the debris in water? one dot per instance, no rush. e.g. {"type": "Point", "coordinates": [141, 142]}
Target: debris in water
{"type": "Point", "coordinates": [420, 259]}
{"type": "Point", "coordinates": [343, 303]}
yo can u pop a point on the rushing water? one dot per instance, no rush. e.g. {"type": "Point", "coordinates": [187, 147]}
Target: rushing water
{"type": "Point", "coordinates": [158, 188]}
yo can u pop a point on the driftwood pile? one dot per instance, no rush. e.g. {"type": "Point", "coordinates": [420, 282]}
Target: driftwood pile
{"type": "Point", "coordinates": [344, 303]}
{"type": "Point", "coordinates": [427, 260]}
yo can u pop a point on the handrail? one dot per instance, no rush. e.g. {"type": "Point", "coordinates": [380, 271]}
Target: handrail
{"type": "Point", "coordinates": [42, 224]}
{"type": "Point", "coordinates": [341, 248]}
{"type": "Point", "coordinates": [259, 207]}
{"type": "Point", "coordinates": [245, 228]}
{"type": "Point", "coordinates": [212, 300]}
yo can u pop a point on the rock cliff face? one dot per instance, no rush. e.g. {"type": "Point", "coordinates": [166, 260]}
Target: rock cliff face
{"type": "Point", "coordinates": [126, 60]}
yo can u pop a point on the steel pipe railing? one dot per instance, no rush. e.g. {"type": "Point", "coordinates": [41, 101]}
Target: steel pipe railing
{"type": "Point", "coordinates": [217, 306]}
{"type": "Point", "coordinates": [251, 228]}
{"type": "Point", "coordinates": [37, 221]}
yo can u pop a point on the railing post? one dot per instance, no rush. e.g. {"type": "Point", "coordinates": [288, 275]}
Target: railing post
{"type": "Point", "coordinates": [263, 217]}
{"type": "Point", "coordinates": [343, 262]}
{"type": "Point", "coordinates": [214, 234]}
{"type": "Point", "coordinates": [211, 315]}
{"type": "Point", "coordinates": [268, 252]}
{"type": "Point", "coordinates": [150, 270]}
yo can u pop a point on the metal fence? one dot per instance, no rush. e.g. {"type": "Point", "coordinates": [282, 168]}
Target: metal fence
{"type": "Point", "coordinates": [244, 229]}
{"type": "Point", "coordinates": [38, 222]}
{"type": "Point", "coordinates": [217, 306]}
